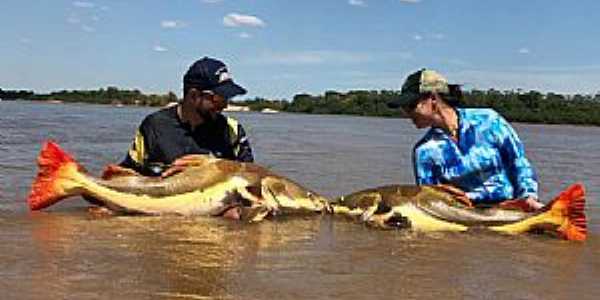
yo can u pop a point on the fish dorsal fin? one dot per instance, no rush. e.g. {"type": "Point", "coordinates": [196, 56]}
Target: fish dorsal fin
{"type": "Point", "coordinates": [111, 171]}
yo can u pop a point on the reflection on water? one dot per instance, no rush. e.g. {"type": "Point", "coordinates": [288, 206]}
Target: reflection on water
{"type": "Point", "coordinates": [64, 253]}
{"type": "Point", "coordinates": [75, 256]}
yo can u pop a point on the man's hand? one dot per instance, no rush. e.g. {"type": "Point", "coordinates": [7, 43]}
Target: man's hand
{"type": "Point", "coordinates": [183, 162]}
{"type": "Point", "coordinates": [458, 194]}
{"type": "Point", "coordinates": [534, 203]}
{"type": "Point", "coordinates": [528, 204]}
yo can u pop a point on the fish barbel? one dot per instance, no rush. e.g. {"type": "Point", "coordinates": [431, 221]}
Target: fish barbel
{"type": "Point", "coordinates": [431, 208]}
{"type": "Point", "coordinates": [209, 186]}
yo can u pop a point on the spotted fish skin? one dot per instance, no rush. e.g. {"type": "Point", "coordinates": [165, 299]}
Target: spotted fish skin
{"type": "Point", "coordinates": [431, 208]}
{"type": "Point", "coordinates": [209, 186]}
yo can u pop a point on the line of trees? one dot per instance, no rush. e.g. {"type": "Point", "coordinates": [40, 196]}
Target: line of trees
{"type": "Point", "coordinates": [110, 95]}
{"type": "Point", "coordinates": [521, 106]}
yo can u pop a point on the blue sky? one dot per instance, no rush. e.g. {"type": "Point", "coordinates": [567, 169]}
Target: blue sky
{"type": "Point", "coordinates": [278, 48]}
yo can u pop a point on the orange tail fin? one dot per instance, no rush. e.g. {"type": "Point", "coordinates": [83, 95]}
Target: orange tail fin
{"type": "Point", "coordinates": [52, 163]}
{"type": "Point", "coordinates": [570, 204]}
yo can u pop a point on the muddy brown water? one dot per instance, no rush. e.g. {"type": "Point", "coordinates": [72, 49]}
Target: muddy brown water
{"type": "Point", "coordinates": [64, 253]}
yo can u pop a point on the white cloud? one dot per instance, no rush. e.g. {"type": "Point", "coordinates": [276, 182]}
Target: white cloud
{"type": "Point", "coordinates": [357, 3]}
{"type": "Point", "coordinates": [327, 57]}
{"type": "Point", "coordinates": [311, 57]}
{"type": "Point", "coordinates": [83, 4]}
{"type": "Point", "coordinates": [172, 24]}
{"type": "Point", "coordinates": [524, 51]}
{"type": "Point", "coordinates": [159, 48]}
{"type": "Point", "coordinates": [438, 36]}
{"type": "Point", "coordinates": [433, 36]}
{"type": "Point", "coordinates": [73, 20]}
{"type": "Point", "coordinates": [245, 35]}
{"type": "Point", "coordinates": [239, 20]}
{"type": "Point", "coordinates": [87, 28]}
{"type": "Point", "coordinates": [410, 1]}
{"type": "Point", "coordinates": [25, 40]}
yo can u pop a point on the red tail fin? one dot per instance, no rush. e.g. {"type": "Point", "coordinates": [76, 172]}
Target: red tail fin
{"type": "Point", "coordinates": [571, 205]}
{"type": "Point", "coordinates": [44, 191]}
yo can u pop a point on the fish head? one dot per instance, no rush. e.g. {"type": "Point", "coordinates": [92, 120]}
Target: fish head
{"type": "Point", "coordinates": [363, 200]}
{"type": "Point", "coordinates": [283, 194]}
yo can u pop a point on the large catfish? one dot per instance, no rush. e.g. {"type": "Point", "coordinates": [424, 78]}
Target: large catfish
{"type": "Point", "coordinates": [210, 186]}
{"type": "Point", "coordinates": [433, 208]}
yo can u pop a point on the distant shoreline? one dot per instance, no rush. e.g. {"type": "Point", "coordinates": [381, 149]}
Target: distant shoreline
{"type": "Point", "coordinates": [516, 106]}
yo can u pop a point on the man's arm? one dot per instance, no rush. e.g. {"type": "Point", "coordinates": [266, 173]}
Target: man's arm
{"type": "Point", "coordinates": [519, 169]}
{"type": "Point", "coordinates": [243, 149]}
{"type": "Point", "coordinates": [138, 154]}
{"type": "Point", "coordinates": [423, 168]}
{"type": "Point", "coordinates": [239, 141]}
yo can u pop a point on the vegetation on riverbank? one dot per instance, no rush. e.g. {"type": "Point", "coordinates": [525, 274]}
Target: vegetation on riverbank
{"type": "Point", "coordinates": [532, 106]}
{"type": "Point", "coordinates": [110, 95]}
{"type": "Point", "coordinates": [521, 106]}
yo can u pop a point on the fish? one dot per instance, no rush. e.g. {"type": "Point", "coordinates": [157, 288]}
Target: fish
{"type": "Point", "coordinates": [209, 186]}
{"type": "Point", "coordinates": [429, 208]}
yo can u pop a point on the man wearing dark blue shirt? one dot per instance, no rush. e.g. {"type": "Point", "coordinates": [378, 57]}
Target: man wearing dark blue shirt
{"type": "Point", "coordinates": [171, 136]}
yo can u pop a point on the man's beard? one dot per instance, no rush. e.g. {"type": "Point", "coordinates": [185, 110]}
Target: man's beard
{"type": "Point", "coordinates": [207, 116]}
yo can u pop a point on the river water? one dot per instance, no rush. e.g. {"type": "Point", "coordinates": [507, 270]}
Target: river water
{"type": "Point", "coordinates": [64, 253]}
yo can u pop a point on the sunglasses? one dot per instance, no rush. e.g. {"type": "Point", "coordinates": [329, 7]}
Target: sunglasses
{"type": "Point", "coordinates": [410, 107]}
{"type": "Point", "coordinates": [214, 98]}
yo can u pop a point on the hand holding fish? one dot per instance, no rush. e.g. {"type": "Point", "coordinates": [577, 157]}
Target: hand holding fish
{"type": "Point", "coordinates": [183, 162]}
{"type": "Point", "coordinates": [528, 204]}
{"type": "Point", "coordinates": [459, 194]}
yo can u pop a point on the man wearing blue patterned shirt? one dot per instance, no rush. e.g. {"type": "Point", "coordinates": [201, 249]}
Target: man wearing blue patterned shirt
{"type": "Point", "coordinates": [475, 150]}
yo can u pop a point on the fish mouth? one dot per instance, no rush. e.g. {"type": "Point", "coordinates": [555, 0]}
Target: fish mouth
{"type": "Point", "coordinates": [232, 213]}
{"type": "Point", "coordinates": [398, 221]}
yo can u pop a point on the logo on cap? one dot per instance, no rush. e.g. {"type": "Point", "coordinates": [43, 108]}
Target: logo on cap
{"type": "Point", "coordinates": [223, 74]}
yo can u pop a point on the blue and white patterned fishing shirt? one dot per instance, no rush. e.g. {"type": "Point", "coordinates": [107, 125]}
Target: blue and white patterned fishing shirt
{"type": "Point", "coordinates": [488, 161]}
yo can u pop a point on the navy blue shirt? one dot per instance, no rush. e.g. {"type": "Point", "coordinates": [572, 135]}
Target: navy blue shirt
{"type": "Point", "coordinates": [162, 138]}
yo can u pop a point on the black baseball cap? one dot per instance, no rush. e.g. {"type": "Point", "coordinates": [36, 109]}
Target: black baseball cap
{"type": "Point", "coordinates": [211, 74]}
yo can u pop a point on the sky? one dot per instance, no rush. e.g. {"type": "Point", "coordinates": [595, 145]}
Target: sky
{"type": "Point", "coordinates": [279, 48]}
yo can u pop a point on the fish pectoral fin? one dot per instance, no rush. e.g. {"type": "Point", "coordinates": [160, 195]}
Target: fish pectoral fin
{"type": "Point", "coordinates": [248, 197]}
{"type": "Point", "coordinates": [380, 220]}
{"type": "Point", "coordinates": [374, 208]}
{"type": "Point", "coordinates": [269, 198]}
{"type": "Point", "coordinates": [255, 214]}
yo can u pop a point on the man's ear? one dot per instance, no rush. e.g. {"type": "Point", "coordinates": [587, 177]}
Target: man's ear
{"type": "Point", "coordinates": [192, 93]}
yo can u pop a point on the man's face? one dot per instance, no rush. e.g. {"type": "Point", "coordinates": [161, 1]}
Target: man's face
{"type": "Point", "coordinates": [422, 112]}
{"type": "Point", "coordinates": [208, 105]}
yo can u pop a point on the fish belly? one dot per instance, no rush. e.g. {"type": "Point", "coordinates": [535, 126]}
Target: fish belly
{"type": "Point", "coordinates": [422, 221]}
{"type": "Point", "coordinates": [199, 202]}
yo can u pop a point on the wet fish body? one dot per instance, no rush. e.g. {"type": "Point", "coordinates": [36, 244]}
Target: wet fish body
{"type": "Point", "coordinates": [208, 187]}
{"type": "Point", "coordinates": [429, 208]}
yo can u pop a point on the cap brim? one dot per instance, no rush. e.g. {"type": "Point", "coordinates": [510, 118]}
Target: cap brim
{"type": "Point", "coordinates": [229, 89]}
{"type": "Point", "coordinates": [404, 100]}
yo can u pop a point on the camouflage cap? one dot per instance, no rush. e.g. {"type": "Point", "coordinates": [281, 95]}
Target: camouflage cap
{"type": "Point", "coordinates": [417, 84]}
